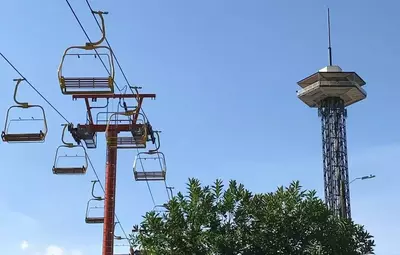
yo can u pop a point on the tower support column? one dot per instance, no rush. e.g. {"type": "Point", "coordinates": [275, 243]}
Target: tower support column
{"type": "Point", "coordinates": [109, 199]}
{"type": "Point", "coordinates": [336, 174]}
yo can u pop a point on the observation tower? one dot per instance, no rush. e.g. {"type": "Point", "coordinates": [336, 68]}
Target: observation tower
{"type": "Point", "coordinates": [331, 90]}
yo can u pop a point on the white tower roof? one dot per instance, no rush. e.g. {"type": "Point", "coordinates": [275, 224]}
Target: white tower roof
{"type": "Point", "coordinates": [331, 81]}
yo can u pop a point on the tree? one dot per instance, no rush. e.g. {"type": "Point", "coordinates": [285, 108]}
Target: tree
{"type": "Point", "coordinates": [211, 220]}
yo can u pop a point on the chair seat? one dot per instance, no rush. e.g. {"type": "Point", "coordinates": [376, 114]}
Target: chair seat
{"type": "Point", "coordinates": [150, 176]}
{"type": "Point", "coordinates": [27, 137]}
{"type": "Point", "coordinates": [94, 220]}
{"type": "Point", "coordinates": [86, 85]}
{"type": "Point", "coordinates": [69, 170]}
{"type": "Point", "coordinates": [95, 82]}
{"type": "Point", "coordinates": [127, 142]}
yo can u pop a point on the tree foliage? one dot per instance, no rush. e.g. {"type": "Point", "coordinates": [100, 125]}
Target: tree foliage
{"type": "Point", "coordinates": [211, 220]}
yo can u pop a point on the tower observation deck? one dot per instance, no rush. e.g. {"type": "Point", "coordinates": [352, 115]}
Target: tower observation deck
{"type": "Point", "coordinates": [331, 90]}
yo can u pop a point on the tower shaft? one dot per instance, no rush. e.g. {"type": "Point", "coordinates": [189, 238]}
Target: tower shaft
{"type": "Point", "coordinates": [336, 174]}
{"type": "Point", "coordinates": [109, 199]}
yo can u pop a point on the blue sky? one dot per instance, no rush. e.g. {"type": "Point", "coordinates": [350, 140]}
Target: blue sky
{"type": "Point", "coordinates": [225, 76]}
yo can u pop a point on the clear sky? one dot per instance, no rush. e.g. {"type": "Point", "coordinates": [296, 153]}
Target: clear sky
{"type": "Point", "coordinates": [225, 76]}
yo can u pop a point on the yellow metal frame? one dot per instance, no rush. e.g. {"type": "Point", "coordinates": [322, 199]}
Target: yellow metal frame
{"type": "Point", "coordinates": [23, 137]}
{"type": "Point", "coordinates": [113, 141]}
{"type": "Point", "coordinates": [70, 146]}
{"type": "Point", "coordinates": [89, 46]}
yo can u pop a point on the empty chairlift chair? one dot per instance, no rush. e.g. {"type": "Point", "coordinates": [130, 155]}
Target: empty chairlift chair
{"type": "Point", "coordinates": [89, 85]}
{"type": "Point", "coordinates": [119, 238]}
{"type": "Point", "coordinates": [121, 244]}
{"type": "Point", "coordinates": [72, 153]}
{"type": "Point", "coordinates": [155, 171]}
{"type": "Point", "coordinates": [160, 208]}
{"type": "Point", "coordinates": [136, 137]}
{"type": "Point", "coordinates": [93, 205]}
{"type": "Point", "coordinates": [90, 218]}
{"type": "Point", "coordinates": [12, 134]}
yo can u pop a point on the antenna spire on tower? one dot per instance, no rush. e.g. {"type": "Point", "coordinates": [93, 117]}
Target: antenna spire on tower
{"type": "Point", "coordinates": [329, 39]}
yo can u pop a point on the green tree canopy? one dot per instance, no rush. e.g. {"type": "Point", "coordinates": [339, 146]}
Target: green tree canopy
{"type": "Point", "coordinates": [211, 220]}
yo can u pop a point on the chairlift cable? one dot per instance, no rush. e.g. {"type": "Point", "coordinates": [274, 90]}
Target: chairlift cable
{"type": "Point", "coordinates": [33, 87]}
{"type": "Point", "coordinates": [147, 182]}
{"type": "Point", "coordinates": [123, 74]}
{"type": "Point", "coordinates": [114, 55]}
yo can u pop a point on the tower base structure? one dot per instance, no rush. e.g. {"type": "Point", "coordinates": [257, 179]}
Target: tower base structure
{"type": "Point", "coordinates": [334, 147]}
{"type": "Point", "coordinates": [331, 90]}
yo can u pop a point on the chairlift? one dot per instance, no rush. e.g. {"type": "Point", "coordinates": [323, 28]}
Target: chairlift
{"type": "Point", "coordinates": [153, 174]}
{"type": "Point", "coordinates": [136, 139]}
{"type": "Point", "coordinates": [118, 244]}
{"type": "Point", "coordinates": [119, 238]}
{"type": "Point", "coordinates": [160, 208]}
{"type": "Point", "coordinates": [59, 167]}
{"type": "Point", "coordinates": [89, 211]}
{"type": "Point", "coordinates": [14, 136]}
{"type": "Point", "coordinates": [89, 85]}
{"type": "Point", "coordinates": [92, 205]}
{"type": "Point", "coordinates": [102, 118]}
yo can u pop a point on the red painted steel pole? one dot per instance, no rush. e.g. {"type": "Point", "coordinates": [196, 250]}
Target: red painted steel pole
{"type": "Point", "coordinates": [109, 199]}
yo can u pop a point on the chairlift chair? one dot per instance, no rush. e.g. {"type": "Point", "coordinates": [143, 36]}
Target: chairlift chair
{"type": "Point", "coordinates": [160, 208]}
{"type": "Point", "coordinates": [9, 136]}
{"type": "Point", "coordinates": [120, 238]}
{"type": "Point", "coordinates": [90, 208]}
{"type": "Point", "coordinates": [152, 174]}
{"type": "Point", "coordinates": [89, 219]}
{"type": "Point", "coordinates": [89, 85]}
{"type": "Point", "coordinates": [136, 139]}
{"type": "Point", "coordinates": [115, 236]}
{"type": "Point", "coordinates": [69, 170]}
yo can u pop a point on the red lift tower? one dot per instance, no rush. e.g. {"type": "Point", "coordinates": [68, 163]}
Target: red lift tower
{"type": "Point", "coordinates": [140, 135]}
{"type": "Point", "coordinates": [133, 131]}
